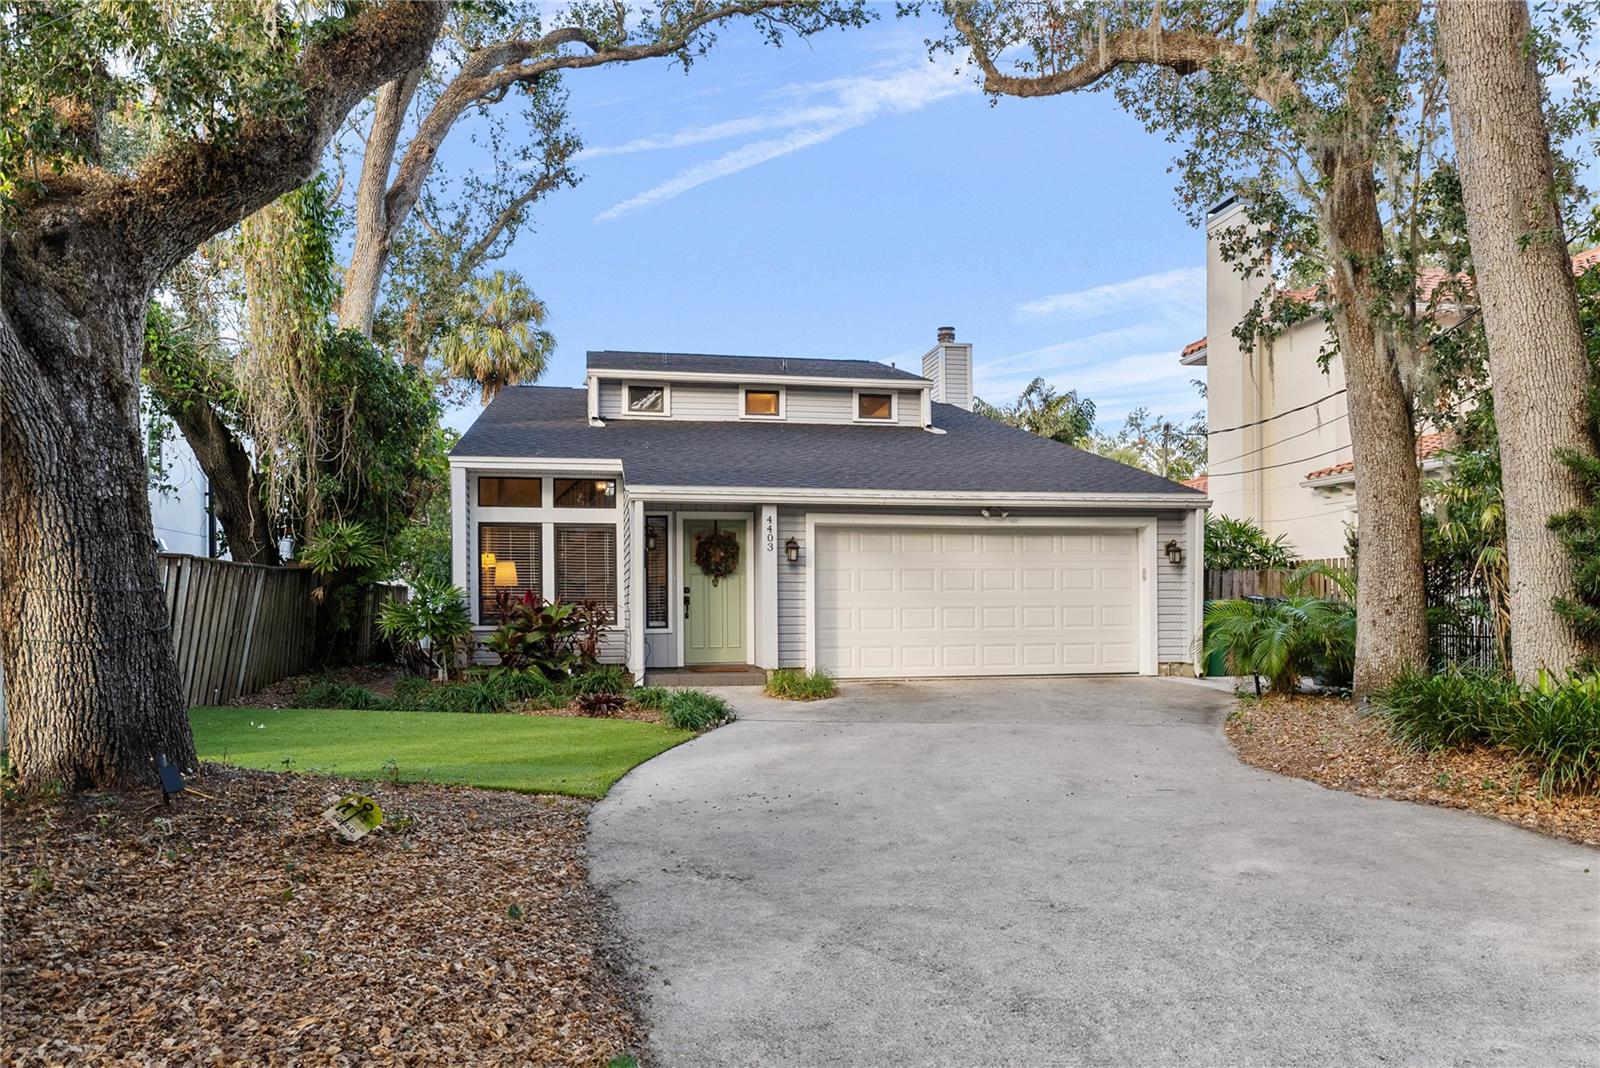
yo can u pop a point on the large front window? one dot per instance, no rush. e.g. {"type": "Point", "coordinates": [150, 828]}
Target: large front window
{"type": "Point", "coordinates": [509, 562]}
{"type": "Point", "coordinates": [586, 566]}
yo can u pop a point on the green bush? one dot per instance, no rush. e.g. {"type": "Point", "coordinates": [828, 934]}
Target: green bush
{"type": "Point", "coordinates": [696, 710]}
{"type": "Point", "coordinates": [410, 692]}
{"type": "Point", "coordinates": [431, 628]}
{"type": "Point", "coordinates": [1559, 729]}
{"type": "Point", "coordinates": [1458, 706]}
{"type": "Point", "coordinates": [1283, 638]}
{"type": "Point", "coordinates": [793, 684]}
{"type": "Point", "coordinates": [608, 678]}
{"type": "Point", "coordinates": [1240, 545]}
{"type": "Point", "coordinates": [655, 698]}
{"type": "Point", "coordinates": [327, 693]}
{"type": "Point", "coordinates": [1555, 726]}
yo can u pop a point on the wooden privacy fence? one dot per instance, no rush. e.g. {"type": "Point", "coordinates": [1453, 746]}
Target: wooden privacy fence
{"type": "Point", "coordinates": [239, 627]}
{"type": "Point", "coordinates": [1273, 582]}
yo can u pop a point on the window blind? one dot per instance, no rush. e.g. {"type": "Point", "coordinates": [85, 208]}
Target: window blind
{"type": "Point", "coordinates": [586, 566]}
{"type": "Point", "coordinates": [509, 561]}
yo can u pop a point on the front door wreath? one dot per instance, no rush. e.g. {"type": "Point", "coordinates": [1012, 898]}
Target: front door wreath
{"type": "Point", "coordinates": [716, 552]}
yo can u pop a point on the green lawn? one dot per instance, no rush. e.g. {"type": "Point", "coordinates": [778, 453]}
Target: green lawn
{"type": "Point", "coordinates": [530, 754]}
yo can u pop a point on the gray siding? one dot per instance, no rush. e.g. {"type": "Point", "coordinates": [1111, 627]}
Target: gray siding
{"type": "Point", "coordinates": [802, 404]}
{"type": "Point", "coordinates": [1173, 638]}
{"type": "Point", "coordinates": [1173, 584]}
{"type": "Point", "coordinates": [792, 590]}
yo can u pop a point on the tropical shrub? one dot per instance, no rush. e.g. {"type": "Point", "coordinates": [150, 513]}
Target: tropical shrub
{"type": "Point", "coordinates": [1554, 726]}
{"type": "Point", "coordinates": [431, 628]}
{"type": "Point", "coordinates": [601, 703]}
{"type": "Point", "coordinates": [1240, 545]}
{"type": "Point", "coordinates": [327, 693]}
{"type": "Point", "coordinates": [696, 710]}
{"type": "Point", "coordinates": [558, 638]}
{"type": "Point", "coordinates": [794, 684]}
{"type": "Point", "coordinates": [1284, 638]}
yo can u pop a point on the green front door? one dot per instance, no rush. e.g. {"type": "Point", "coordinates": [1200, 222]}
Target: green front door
{"type": "Point", "coordinates": [714, 623]}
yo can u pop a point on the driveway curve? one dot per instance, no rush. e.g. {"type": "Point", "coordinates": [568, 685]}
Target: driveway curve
{"type": "Point", "coordinates": [1075, 872]}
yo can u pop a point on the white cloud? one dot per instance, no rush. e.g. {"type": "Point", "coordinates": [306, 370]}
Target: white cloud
{"type": "Point", "coordinates": [1184, 286]}
{"type": "Point", "coordinates": [848, 103]}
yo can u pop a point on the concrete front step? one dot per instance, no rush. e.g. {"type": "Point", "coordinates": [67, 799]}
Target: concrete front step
{"type": "Point", "coordinates": [731, 675]}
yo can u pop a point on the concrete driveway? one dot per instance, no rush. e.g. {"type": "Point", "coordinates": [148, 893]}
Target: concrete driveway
{"type": "Point", "coordinates": [1076, 872]}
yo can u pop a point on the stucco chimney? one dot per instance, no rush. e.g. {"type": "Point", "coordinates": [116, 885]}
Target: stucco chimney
{"type": "Point", "coordinates": [949, 366]}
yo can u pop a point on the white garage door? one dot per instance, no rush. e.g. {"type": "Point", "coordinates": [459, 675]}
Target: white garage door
{"type": "Point", "coordinates": [920, 601]}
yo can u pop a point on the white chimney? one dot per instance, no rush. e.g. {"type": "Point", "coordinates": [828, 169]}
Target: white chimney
{"type": "Point", "coordinates": [949, 366]}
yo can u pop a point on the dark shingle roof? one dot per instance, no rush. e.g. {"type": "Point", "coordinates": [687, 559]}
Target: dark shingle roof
{"type": "Point", "coordinates": [975, 454]}
{"type": "Point", "coordinates": [751, 366]}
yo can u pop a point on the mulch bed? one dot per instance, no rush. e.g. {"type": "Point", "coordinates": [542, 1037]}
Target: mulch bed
{"type": "Point", "coordinates": [236, 928]}
{"type": "Point", "coordinates": [379, 678]}
{"type": "Point", "coordinates": [1329, 741]}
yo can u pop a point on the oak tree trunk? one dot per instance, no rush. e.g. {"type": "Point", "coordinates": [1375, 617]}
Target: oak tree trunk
{"type": "Point", "coordinates": [92, 687]}
{"type": "Point", "coordinates": [1391, 601]}
{"type": "Point", "coordinates": [1537, 363]}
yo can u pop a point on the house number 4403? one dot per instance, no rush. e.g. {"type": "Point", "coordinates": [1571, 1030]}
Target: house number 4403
{"type": "Point", "coordinates": [772, 535]}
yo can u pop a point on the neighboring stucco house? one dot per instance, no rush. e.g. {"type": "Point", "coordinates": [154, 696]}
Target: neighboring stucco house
{"type": "Point", "coordinates": [884, 529]}
{"type": "Point", "coordinates": [1278, 439]}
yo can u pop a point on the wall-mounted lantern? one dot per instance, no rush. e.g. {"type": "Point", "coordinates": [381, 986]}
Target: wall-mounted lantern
{"type": "Point", "coordinates": [1175, 553]}
{"type": "Point", "coordinates": [791, 549]}
{"type": "Point", "coordinates": [650, 539]}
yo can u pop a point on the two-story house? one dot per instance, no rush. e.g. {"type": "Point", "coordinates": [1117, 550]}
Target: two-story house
{"type": "Point", "coordinates": [1278, 436]}
{"type": "Point", "coordinates": [877, 526]}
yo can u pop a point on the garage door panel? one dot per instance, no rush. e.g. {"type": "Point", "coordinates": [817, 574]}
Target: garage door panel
{"type": "Point", "coordinates": [920, 601]}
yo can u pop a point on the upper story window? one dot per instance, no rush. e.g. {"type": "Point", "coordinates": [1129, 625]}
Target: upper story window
{"type": "Point", "coordinates": [586, 492]}
{"type": "Point", "coordinates": [875, 407]}
{"type": "Point", "coordinates": [763, 403]}
{"type": "Point", "coordinates": [496, 492]}
{"type": "Point", "coordinates": [646, 400]}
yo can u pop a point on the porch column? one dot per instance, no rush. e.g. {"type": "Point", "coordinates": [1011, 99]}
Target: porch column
{"type": "Point", "coordinates": [767, 553]}
{"type": "Point", "coordinates": [636, 590]}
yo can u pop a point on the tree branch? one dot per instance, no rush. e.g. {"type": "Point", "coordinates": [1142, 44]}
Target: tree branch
{"type": "Point", "coordinates": [196, 190]}
{"type": "Point", "coordinates": [1181, 51]}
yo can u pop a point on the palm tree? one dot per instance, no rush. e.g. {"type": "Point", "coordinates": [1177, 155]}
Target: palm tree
{"type": "Point", "coordinates": [1063, 417]}
{"type": "Point", "coordinates": [499, 339]}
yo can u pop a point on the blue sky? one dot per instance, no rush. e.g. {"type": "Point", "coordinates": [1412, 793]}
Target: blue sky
{"type": "Point", "coordinates": [844, 197]}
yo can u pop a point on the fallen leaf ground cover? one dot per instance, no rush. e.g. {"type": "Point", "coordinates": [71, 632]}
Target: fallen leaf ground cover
{"type": "Point", "coordinates": [1330, 741]}
{"type": "Point", "coordinates": [234, 927]}
{"type": "Point", "coordinates": [581, 757]}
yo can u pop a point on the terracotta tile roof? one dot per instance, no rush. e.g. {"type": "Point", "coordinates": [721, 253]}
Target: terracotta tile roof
{"type": "Point", "coordinates": [1427, 445]}
{"type": "Point", "coordinates": [1199, 482]}
{"type": "Point", "coordinates": [1430, 278]}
